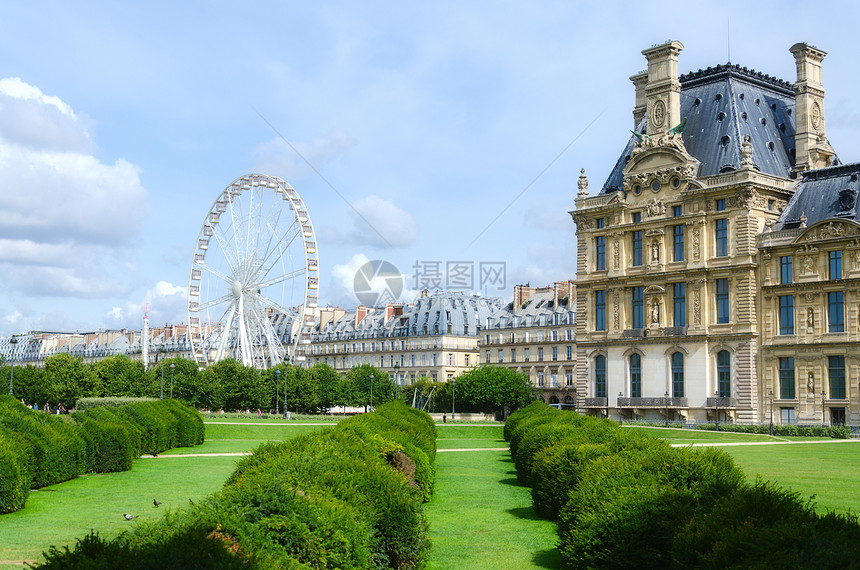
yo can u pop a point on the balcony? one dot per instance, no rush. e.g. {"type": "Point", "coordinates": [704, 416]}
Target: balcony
{"type": "Point", "coordinates": [721, 402]}
{"type": "Point", "coordinates": [634, 333]}
{"type": "Point", "coordinates": [596, 402]}
{"type": "Point", "coordinates": [652, 402]}
{"type": "Point", "coordinates": [675, 331]}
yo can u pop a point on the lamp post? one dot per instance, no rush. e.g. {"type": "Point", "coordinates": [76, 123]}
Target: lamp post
{"type": "Point", "coordinates": [286, 403]}
{"type": "Point", "coordinates": [14, 342]}
{"type": "Point", "coordinates": [667, 408]}
{"type": "Point", "coordinates": [277, 391]}
{"type": "Point", "coordinates": [162, 376]}
{"type": "Point", "coordinates": [371, 391]}
{"type": "Point", "coordinates": [620, 416]}
{"type": "Point", "coordinates": [823, 408]}
{"type": "Point", "coordinates": [453, 383]}
{"type": "Point", "coordinates": [770, 394]}
{"type": "Point", "coordinates": [717, 409]}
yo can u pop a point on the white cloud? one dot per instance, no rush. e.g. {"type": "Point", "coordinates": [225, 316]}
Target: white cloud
{"type": "Point", "coordinates": [275, 157]}
{"type": "Point", "coordinates": [167, 304]}
{"type": "Point", "coordinates": [342, 289]}
{"type": "Point", "coordinates": [379, 222]}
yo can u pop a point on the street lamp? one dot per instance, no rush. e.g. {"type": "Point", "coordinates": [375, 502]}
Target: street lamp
{"type": "Point", "coordinates": [162, 376]}
{"type": "Point", "coordinates": [717, 409]}
{"type": "Point", "coordinates": [286, 403]}
{"type": "Point", "coordinates": [620, 416]}
{"type": "Point", "coordinates": [667, 408]}
{"type": "Point", "coordinates": [453, 383]}
{"type": "Point", "coordinates": [770, 394]}
{"type": "Point", "coordinates": [371, 391]}
{"type": "Point", "coordinates": [172, 367]}
{"type": "Point", "coordinates": [277, 391]}
{"type": "Point", "coordinates": [823, 408]}
{"type": "Point", "coordinates": [14, 342]}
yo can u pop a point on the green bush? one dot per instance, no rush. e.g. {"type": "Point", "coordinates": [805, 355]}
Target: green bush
{"type": "Point", "coordinates": [82, 404]}
{"type": "Point", "coordinates": [16, 478]}
{"type": "Point", "coordinates": [782, 430]}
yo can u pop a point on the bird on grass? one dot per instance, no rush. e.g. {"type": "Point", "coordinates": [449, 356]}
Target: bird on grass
{"type": "Point", "coordinates": [190, 501]}
{"type": "Point", "coordinates": [156, 502]}
{"type": "Point", "coordinates": [129, 517]}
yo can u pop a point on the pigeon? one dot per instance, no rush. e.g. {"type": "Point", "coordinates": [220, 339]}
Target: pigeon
{"type": "Point", "coordinates": [192, 502]}
{"type": "Point", "coordinates": [156, 502]}
{"type": "Point", "coordinates": [129, 517]}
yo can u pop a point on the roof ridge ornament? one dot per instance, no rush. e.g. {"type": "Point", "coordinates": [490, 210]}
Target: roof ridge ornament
{"type": "Point", "coordinates": [582, 184]}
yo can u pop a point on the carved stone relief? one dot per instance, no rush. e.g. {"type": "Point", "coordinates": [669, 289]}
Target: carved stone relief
{"type": "Point", "coordinates": [696, 243]}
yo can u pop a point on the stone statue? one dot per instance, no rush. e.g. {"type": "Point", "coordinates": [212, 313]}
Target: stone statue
{"type": "Point", "coordinates": [810, 319]}
{"type": "Point", "coordinates": [655, 313]}
{"type": "Point", "coordinates": [810, 383]}
{"type": "Point", "coordinates": [655, 251]}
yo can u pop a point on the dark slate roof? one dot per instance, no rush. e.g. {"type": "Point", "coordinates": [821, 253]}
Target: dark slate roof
{"type": "Point", "coordinates": [722, 104]}
{"type": "Point", "coordinates": [822, 194]}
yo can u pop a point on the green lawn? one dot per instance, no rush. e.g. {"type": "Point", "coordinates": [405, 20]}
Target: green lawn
{"type": "Point", "coordinates": [480, 516]}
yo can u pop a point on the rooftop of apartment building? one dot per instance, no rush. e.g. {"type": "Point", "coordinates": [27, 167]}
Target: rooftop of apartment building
{"type": "Point", "coordinates": [538, 306]}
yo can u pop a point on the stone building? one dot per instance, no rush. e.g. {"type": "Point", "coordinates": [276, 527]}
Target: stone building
{"type": "Point", "coordinates": [670, 314]}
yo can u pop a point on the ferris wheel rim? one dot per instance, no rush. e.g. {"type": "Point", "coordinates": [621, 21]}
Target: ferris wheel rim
{"type": "Point", "coordinates": [248, 274]}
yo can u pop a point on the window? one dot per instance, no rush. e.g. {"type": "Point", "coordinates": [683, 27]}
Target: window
{"type": "Point", "coordinates": [501, 355]}
{"type": "Point", "coordinates": [570, 353]}
{"type": "Point", "coordinates": [568, 334]}
{"type": "Point", "coordinates": [722, 300]}
{"type": "Point", "coordinates": [835, 312]}
{"type": "Point", "coordinates": [678, 242]}
{"type": "Point", "coordinates": [786, 314]}
{"type": "Point", "coordinates": [679, 302]}
{"type": "Point", "coordinates": [635, 376]}
{"type": "Point", "coordinates": [449, 359]}
{"type": "Point", "coordinates": [553, 335]}
{"type": "Point", "coordinates": [553, 380]}
{"type": "Point", "coordinates": [555, 353]}
{"type": "Point", "coordinates": [786, 378]}
{"type": "Point", "coordinates": [637, 248]}
{"type": "Point", "coordinates": [786, 275]}
{"type": "Point", "coordinates": [600, 310]}
{"type": "Point", "coordinates": [835, 264]}
{"type": "Point", "coordinates": [721, 235]}
{"type": "Point", "coordinates": [600, 253]}
{"type": "Point", "coordinates": [786, 415]}
{"type": "Point", "coordinates": [568, 378]}
{"type": "Point", "coordinates": [540, 354]}
{"type": "Point", "coordinates": [540, 378]}
{"type": "Point", "coordinates": [513, 355]}
{"type": "Point", "coordinates": [721, 204]}
{"type": "Point", "coordinates": [677, 375]}
{"type": "Point", "coordinates": [487, 359]}
{"type": "Point", "coordinates": [677, 210]}
{"type": "Point", "coordinates": [724, 374]}
{"type": "Point", "coordinates": [637, 308]}
{"type": "Point", "coordinates": [526, 354]}
{"type": "Point", "coordinates": [600, 223]}
{"type": "Point", "coordinates": [836, 375]}
{"type": "Point", "coordinates": [467, 359]}
{"type": "Point", "coordinates": [600, 376]}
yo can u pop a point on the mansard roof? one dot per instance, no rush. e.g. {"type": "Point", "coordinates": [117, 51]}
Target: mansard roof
{"type": "Point", "coordinates": [826, 193]}
{"type": "Point", "coordinates": [721, 105]}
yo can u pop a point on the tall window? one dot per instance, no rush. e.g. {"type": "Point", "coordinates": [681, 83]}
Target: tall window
{"type": "Point", "coordinates": [526, 354]}
{"type": "Point", "coordinates": [679, 302]}
{"type": "Point", "coordinates": [637, 308]}
{"type": "Point", "coordinates": [677, 375]}
{"type": "Point", "coordinates": [786, 275]}
{"type": "Point", "coordinates": [724, 374]}
{"type": "Point", "coordinates": [677, 210]}
{"type": "Point", "coordinates": [786, 314]}
{"type": "Point", "coordinates": [600, 310]}
{"type": "Point", "coordinates": [835, 312]}
{"type": "Point", "coordinates": [555, 353]}
{"type": "Point", "coordinates": [540, 377]}
{"type": "Point", "coordinates": [600, 223]}
{"type": "Point", "coordinates": [836, 375]}
{"type": "Point", "coordinates": [637, 248]}
{"type": "Point", "coordinates": [835, 264]}
{"type": "Point", "coordinates": [501, 355]}
{"type": "Point", "coordinates": [721, 235]}
{"type": "Point", "coordinates": [600, 376]}
{"type": "Point", "coordinates": [570, 353]}
{"type": "Point", "coordinates": [635, 376]}
{"type": "Point", "coordinates": [678, 242]}
{"type": "Point", "coordinates": [600, 253]}
{"type": "Point", "coordinates": [540, 354]}
{"type": "Point", "coordinates": [722, 300]}
{"type": "Point", "coordinates": [786, 378]}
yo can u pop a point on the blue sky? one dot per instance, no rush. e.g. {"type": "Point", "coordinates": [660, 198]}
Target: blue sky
{"type": "Point", "coordinates": [120, 123]}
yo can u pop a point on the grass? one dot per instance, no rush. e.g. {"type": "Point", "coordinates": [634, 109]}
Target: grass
{"type": "Point", "coordinates": [480, 516]}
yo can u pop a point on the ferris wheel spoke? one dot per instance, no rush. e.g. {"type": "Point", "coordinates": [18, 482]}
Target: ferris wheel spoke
{"type": "Point", "coordinates": [282, 244]}
{"type": "Point", "coordinates": [281, 278]}
{"type": "Point", "coordinates": [214, 302]}
{"type": "Point", "coordinates": [225, 248]}
{"type": "Point", "coordinates": [225, 333]}
{"type": "Point", "coordinates": [216, 273]}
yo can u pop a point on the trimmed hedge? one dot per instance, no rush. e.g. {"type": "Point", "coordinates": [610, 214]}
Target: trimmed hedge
{"type": "Point", "coordinates": [836, 432]}
{"type": "Point", "coordinates": [38, 449]}
{"type": "Point", "coordinates": [623, 500]}
{"type": "Point", "coordinates": [350, 496]}
{"type": "Point", "coordinates": [82, 404]}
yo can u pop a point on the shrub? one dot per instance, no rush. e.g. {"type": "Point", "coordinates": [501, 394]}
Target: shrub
{"type": "Point", "coordinates": [16, 478]}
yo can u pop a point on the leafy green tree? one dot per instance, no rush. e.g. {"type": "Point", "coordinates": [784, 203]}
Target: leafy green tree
{"type": "Point", "coordinates": [28, 383]}
{"type": "Point", "coordinates": [332, 388]}
{"type": "Point", "coordinates": [186, 382]}
{"type": "Point", "coordinates": [242, 387]}
{"type": "Point", "coordinates": [302, 388]}
{"type": "Point", "coordinates": [67, 378]}
{"type": "Point", "coordinates": [489, 389]}
{"type": "Point", "coordinates": [359, 383]}
{"type": "Point", "coordinates": [119, 375]}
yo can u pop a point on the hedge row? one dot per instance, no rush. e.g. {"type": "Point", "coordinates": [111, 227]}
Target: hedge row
{"type": "Point", "coordinates": [836, 432]}
{"type": "Point", "coordinates": [349, 496]}
{"type": "Point", "coordinates": [38, 449]}
{"type": "Point", "coordinates": [625, 500]}
{"type": "Point", "coordinates": [111, 402]}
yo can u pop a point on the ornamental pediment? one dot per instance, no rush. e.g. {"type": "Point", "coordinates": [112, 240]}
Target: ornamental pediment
{"type": "Point", "coordinates": [659, 162]}
{"type": "Point", "coordinates": [829, 229]}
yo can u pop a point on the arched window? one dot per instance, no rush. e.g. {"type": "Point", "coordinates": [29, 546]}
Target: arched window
{"type": "Point", "coordinates": [677, 375]}
{"type": "Point", "coordinates": [724, 374]}
{"type": "Point", "coordinates": [635, 376]}
{"type": "Point", "coordinates": [600, 376]}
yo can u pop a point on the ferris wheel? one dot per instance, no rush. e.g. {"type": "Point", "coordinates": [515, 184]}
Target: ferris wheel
{"type": "Point", "coordinates": [253, 285]}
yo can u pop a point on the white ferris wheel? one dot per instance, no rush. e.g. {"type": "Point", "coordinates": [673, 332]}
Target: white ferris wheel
{"type": "Point", "coordinates": [253, 285]}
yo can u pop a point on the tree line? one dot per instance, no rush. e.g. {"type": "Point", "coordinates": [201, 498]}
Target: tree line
{"type": "Point", "coordinates": [231, 386]}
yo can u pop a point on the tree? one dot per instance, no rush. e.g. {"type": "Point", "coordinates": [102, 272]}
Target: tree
{"type": "Point", "coordinates": [302, 388]}
{"type": "Point", "coordinates": [186, 382]}
{"type": "Point", "coordinates": [359, 383]}
{"type": "Point", "coordinates": [332, 389]}
{"type": "Point", "coordinates": [489, 389]}
{"type": "Point", "coordinates": [119, 375]}
{"type": "Point", "coordinates": [67, 378]}
{"type": "Point", "coordinates": [239, 387]}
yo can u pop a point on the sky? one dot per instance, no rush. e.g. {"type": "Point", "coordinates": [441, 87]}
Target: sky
{"type": "Point", "coordinates": [445, 132]}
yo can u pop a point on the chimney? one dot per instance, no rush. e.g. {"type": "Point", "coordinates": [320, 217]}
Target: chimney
{"type": "Point", "coordinates": [663, 91]}
{"type": "Point", "coordinates": [811, 147]}
{"type": "Point", "coordinates": [522, 293]}
{"type": "Point", "coordinates": [360, 312]}
{"type": "Point", "coordinates": [640, 82]}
